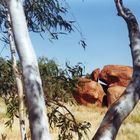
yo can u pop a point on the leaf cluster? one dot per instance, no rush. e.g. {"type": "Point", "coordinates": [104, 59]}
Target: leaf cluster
{"type": "Point", "coordinates": [8, 90]}
{"type": "Point", "coordinates": [12, 110]}
{"type": "Point", "coordinates": [61, 117]}
{"type": "Point", "coordinates": [46, 15]}
{"type": "Point", "coordinates": [59, 84]}
{"type": "Point", "coordinates": [7, 82]}
{"type": "Point", "coordinates": [42, 16]}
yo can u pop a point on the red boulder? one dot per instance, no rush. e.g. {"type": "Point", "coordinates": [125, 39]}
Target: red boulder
{"type": "Point", "coordinates": [95, 75]}
{"type": "Point", "coordinates": [113, 93]}
{"type": "Point", "coordinates": [89, 92]}
{"type": "Point", "coordinates": [116, 75]}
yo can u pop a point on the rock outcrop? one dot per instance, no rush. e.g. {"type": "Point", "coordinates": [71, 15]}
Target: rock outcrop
{"type": "Point", "coordinates": [95, 75]}
{"type": "Point", "coordinates": [89, 92]}
{"type": "Point", "coordinates": [115, 79]}
{"type": "Point", "coordinates": [114, 75]}
{"type": "Point", "coordinates": [113, 93]}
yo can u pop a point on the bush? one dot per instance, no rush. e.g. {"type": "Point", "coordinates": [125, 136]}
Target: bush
{"type": "Point", "coordinates": [58, 86]}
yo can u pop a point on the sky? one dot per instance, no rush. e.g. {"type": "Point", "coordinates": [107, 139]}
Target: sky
{"type": "Point", "coordinates": [105, 34]}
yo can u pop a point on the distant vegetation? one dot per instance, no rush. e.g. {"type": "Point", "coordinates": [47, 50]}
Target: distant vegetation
{"type": "Point", "coordinates": [58, 85]}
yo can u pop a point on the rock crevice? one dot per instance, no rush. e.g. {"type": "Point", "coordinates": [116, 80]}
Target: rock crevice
{"type": "Point", "coordinates": [93, 91]}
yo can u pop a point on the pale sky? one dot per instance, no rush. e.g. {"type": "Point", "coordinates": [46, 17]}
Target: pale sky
{"type": "Point", "coordinates": [106, 36]}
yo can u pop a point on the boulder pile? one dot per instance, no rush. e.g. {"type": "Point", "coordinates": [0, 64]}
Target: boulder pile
{"type": "Point", "coordinates": [105, 86]}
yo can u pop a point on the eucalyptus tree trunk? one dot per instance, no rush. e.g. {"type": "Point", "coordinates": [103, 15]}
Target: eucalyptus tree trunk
{"type": "Point", "coordinates": [114, 117]}
{"type": "Point", "coordinates": [33, 87]}
{"type": "Point", "coordinates": [18, 82]}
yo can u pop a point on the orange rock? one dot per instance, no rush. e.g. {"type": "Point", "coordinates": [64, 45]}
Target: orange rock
{"type": "Point", "coordinates": [113, 93]}
{"type": "Point", "coordinates": [89, 92]}
{"type": "Point", "coordinates": [95, 75]}
{"type": "Point", "coordinates": [116, 75]}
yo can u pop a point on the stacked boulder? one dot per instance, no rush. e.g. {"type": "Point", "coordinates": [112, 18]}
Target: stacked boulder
{"type": "Point", "coordinates": [105, 85]}
{"type": "Point", "coordinates": [89, 92]}
{"type": "Point", "coordinates": [117, 78]}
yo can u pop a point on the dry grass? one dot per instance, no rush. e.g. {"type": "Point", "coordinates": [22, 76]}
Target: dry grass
{"type": "Point", "coordinates": [131, 126]}
{"type": "Point", "coordinates": [12, 134]}
{"type": "Point", "coordinates": [128, 131]}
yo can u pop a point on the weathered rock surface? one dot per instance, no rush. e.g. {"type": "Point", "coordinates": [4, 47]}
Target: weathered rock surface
{"type": "Point", "coordinates": [116, 79]}
{"type": "Point", "coordinates": [95, 75]}
{"type": "Point", "coordinates": [114, 75]}
{"type": "Point", "coordinates": [113, 93]}
{"type": "Point", "coordinates": [89, 92]}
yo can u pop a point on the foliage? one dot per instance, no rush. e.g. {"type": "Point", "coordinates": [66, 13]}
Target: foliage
{"type": "Point", "coordinates": [62, 118]}
{"type": "Point", "coordinates": [43, 16]}
{"type": "Point", "coordinates": [47, 15]}
{"type": "Point", "coordinates": [59, 85]}
{"type": "Point", "coordinates": [7, 82]}
{"type": "Point", "coordinates": [8, 90]}
{"type": "Point", "coordinates": [12, 109]}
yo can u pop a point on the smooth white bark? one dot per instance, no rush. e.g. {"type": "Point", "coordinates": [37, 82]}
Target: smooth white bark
{"type": "Point", "coordinates": [34, 94]}
{"type": "Point", "coordinates": [18, 82]}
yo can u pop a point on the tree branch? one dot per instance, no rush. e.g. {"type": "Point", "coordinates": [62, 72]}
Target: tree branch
{"type": "Point", "coordinates": [122, 107]}
{"type": "Point", "coordinates": [128, 16]}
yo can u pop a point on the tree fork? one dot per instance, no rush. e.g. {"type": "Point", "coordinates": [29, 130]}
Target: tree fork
{"type": "Point", "coordinates": [116, 114]}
